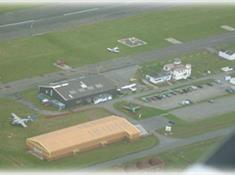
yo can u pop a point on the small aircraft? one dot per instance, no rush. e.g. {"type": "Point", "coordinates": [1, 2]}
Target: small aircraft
{"type": "Point", "coordinates": [21, 121]}
{"type": "Point", "coordinates": [131, 107]}
{"type": "Point", "coordinates": [114, 50]}
{"type": "Point", "coordinates": [131, 87]}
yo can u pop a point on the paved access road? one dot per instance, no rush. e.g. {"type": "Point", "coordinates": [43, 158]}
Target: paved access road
{"type": "Point", "coordinates": [46, 18]}
{"type": "Point", "coordinates": [119, 63]}
{"type": "Point", "coordinates": [163, 146]}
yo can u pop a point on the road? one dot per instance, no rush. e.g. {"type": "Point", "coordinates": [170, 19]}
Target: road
{"type": "Point", "coordinates": [47, 18]}
{"type": "Point", "coordinates": [118, 63]}
{"type": "Point", "coordinates": [164, 146]}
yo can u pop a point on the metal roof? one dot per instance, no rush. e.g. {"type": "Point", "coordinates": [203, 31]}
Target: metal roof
{"type": "Point", "coordinates": [94, 131]}
{"type": "Point", "coordinates": [82, 86]}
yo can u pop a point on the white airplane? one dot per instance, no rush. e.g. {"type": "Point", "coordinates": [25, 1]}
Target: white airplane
{"type": "Point", "coordinates": [131, 87]}
{"type": "Point", "coordinates": [114, 50]}
{"type": "Point", "coordinates": [20, 121]}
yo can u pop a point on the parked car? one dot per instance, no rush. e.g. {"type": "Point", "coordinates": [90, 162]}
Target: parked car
{"type": "Point", "coordinates": [200, 86]}
{"type": "Point", "coordinates": [186, 102]}
{"type": "Point", "coordinates": [211, 101]}
{"type": "Point", "coordinates": [102, 98]}
{"type": "Point", "coordinates": [209, 84]}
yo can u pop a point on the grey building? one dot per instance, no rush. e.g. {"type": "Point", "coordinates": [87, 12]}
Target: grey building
{"type": "Point", "coordinates": [78, 90]}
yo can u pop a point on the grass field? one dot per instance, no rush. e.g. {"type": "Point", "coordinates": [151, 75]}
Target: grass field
{"type": "Point", "coordinates": [87, 44]}
{"type": "Point", "coordinates": [183, 157]}
{"type": "Point", "coordinates": [144, 111]}
{"type": "Point", "coordinates": [13, 154]}
{"type": "Point", "coordinates": [12, 7]}
{"type": "Point", "coordinates": [185, 129]}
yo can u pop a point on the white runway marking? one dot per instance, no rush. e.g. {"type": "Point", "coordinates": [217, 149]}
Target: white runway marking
{"type": "Point", "coordinates": [38, 34]}
{"type": "Point", "coordinates": [81, 11]}
{"type": "Point", "coordinates": [32, 21]}
{"type": "Point", "coordinates": [17, 23]}
{"type": "Point", "coordinates": [173, 41]}
{"type": "Point", "coordinates": [228, 28]}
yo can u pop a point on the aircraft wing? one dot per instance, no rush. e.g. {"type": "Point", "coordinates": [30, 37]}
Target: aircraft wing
{"type": "Point", "coordinates": [14, 116]}
{"type": "Point", "coordinates": [22, 124]}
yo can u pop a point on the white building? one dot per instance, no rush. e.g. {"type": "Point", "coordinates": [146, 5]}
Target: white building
{"type": "Point", "coordinates": [175, 71]}
{"type": "Point", "coordinates": [227, 69]}
{"type": "Point", "coordinates": [227, 54]}
{"type": "Point", "coordinates": [178, 70]}
{"type": "Point", "coordinates": [232, 81]}
{"type": "Point", "coordinates": [159, 78]}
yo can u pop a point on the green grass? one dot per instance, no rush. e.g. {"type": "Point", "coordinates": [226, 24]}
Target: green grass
{"type": "Point", "coordinates": [13, 154]}
{"type": "Point", "coordinates": [145, 111]}
{"type": "Point", "coordinates": [13, 7]}
{"type": "Point", "coordinates": [31, 96]}
{"type": "Point", "coordinates": [185, 129]}
{"type": "Point", "coordinates": [182, 157]}
{"type": "Point", "coordinates": [87, 44]}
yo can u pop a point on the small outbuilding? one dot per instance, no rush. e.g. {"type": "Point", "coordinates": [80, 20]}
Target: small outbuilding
{"type": "Point", "coordinates": [227, 54]}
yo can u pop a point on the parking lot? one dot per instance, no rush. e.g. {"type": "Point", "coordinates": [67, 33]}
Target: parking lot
{"type": "Point", "coordinates": [174, 98]}
{"type": "Point", "coordinates": [205, 109]}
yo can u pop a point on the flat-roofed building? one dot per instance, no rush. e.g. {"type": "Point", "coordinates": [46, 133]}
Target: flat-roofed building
{"type": "Point", "coordinates": [82, 137]}
{"type": "Point", "coordinates": [79, 90]}
{"type": "Point", "coordinates": [227, 54]}
{"type": "Point", "coordinates": [159, 78]}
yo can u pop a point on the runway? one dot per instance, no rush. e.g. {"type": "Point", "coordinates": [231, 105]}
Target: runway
{"type": "Point", "coordinates": [48, 18]}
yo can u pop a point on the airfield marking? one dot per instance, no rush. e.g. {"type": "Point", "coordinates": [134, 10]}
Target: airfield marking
{"type": "Point", "coordinates": [132, 42]}
{"type": "Point", "coordinates": [81, 11]}
{"type": "Point", "coordinates": [173, 40]}
{"type": "Point", "coordinates": [32, 20]}
{"type": "Point", "coordinates": [38, 34]}
{"type": "Point", "coordinates": [228, 28]}
{"type": "Point", "coordinates": [17, 23]}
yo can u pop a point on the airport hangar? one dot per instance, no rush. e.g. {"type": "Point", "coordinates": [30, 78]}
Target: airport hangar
{"type": "Point", "coordinates": [82, 137]}
{"type": "Point", "coordinates": [79, 90]}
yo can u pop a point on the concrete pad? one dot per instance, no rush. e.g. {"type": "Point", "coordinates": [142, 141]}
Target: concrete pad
{"type": "Point", "coordinates": [142, 130]}
{"type": "Point", "coordinates": [227, 28]}
{"type": "Point", "coordinates": [153, 123]}
{"type": "Point", "coordinates": [211, 50]}
{"type": "Point", "coordinates": [132, 42]}
{"type": "Point", "coordinates": [121, 76]}
{"type": "Point", "coordinates": [205, 109]}
{"type": "Point", "coordinates": [173, 40]}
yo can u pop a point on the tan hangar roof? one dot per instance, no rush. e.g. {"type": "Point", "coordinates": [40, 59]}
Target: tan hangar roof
{"type": "Point", "coordinates": [84, 133]}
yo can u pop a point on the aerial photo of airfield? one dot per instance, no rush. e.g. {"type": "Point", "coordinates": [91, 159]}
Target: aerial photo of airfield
{"type": "Point", "coordinates": [115, 87]}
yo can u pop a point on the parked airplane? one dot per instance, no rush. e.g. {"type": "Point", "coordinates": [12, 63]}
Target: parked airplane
{"type": "Point", "coordinates": [114, 50]}
{"type": "Point", "coordinates": [132, 107]}
{"type": "Point", "coordinates": [21, 121]}
{"type": "Point", "coordinates": [131, 87]}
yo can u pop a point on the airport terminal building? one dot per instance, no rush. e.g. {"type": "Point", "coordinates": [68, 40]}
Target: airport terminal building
{"type": "Point", "coordinates": [78, 90]}
{"type": "Point", "coordinates": [82, 137]}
